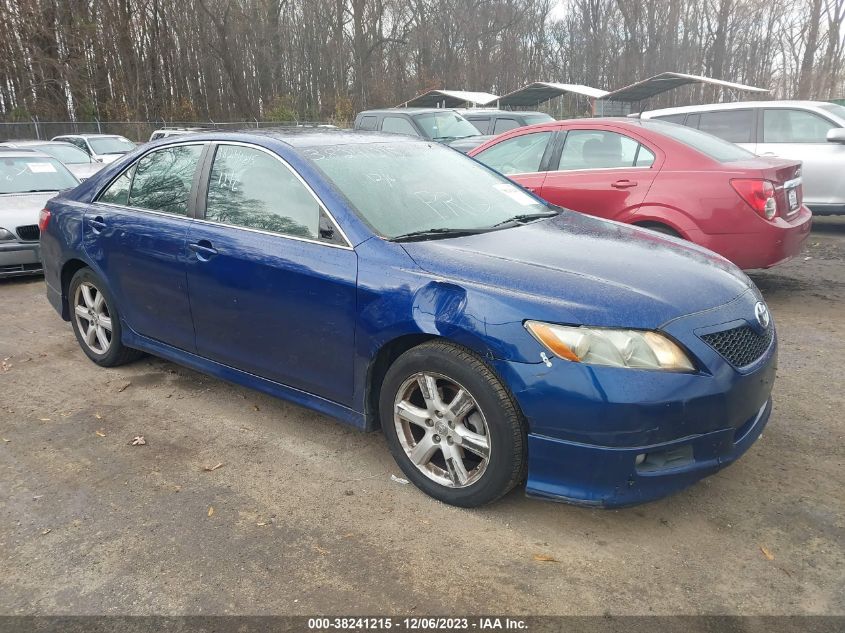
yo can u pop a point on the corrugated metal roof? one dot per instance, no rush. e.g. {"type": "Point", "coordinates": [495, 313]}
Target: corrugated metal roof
{"type": "Point", "coordinates": [450, 99]}
{"type": "Point", "coordinates": [652, 86]}
{"type": "Point", "coordinates": [541, 91]}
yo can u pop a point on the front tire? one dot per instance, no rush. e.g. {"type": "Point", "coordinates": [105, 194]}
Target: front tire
{"type": "Point", "coordinates": [452, 426]}
{"type": "Point", "coordinates": [96, 321]}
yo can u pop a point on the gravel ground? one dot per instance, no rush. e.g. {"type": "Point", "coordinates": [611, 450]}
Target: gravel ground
{"type": "Point", "coordinates": [302, 516]}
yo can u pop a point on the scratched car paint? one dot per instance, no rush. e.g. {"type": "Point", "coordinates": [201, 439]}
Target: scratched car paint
{"type": "Point", "coordinates": [492, 337]}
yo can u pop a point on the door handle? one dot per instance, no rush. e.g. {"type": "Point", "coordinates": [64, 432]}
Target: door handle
{"type": "Point", "coordinates": [97, 224]}
{"type": "Point", "coordinates": [203, 250]}
{"type": "Point", "coordinates": [624, 184]}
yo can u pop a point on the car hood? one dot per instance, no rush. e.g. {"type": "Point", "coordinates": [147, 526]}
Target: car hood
{"type": "Point", "coordinates": [18, 209]}
{"type": "Point", "coordinates": [581, 270]}
{"type": "Point", "coordinates": [84, 171]}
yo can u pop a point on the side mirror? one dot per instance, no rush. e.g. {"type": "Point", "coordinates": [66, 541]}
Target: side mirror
{"type": "Point", "coordinates": [836, 135]}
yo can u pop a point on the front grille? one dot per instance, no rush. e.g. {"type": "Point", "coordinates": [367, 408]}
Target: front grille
{"type": "Point", "coordinates": [740, 346]}
{"type": "Point", "coordinates": [28, 233]}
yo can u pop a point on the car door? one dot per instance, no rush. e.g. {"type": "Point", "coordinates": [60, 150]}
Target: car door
{"type": "Point", "coordinates": [802, 135]}
{"type": "Point", "coordinates": [135, 232]}
{"type": "Point", "coordinates": [271, 277]}
{"type": "Point", "coordinates": [599, 172]}
{"type": "Point", "coordinates": [522, 158]}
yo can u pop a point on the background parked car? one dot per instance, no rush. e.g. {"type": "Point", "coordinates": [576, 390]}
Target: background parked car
{"type": "Point", "coordinates": [28, 180]}
{"type": "Point", "coordinates": [79, 163]}
{"type": "Point", "coordinates": [438, 124]}
{"type": "Point", "coordinates": [662, 176]}
{"type": "Point", "coordinates": [167, 132]}
{"type": "Point", "coordinates": [810, 131]}
{"type": "Point", "coordinates": [103, 148]}
{"type": "Point", "coordinates": [491, 121]}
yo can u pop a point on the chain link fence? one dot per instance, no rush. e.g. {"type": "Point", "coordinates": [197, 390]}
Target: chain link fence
{"type": "Point", "coordinates": [138, 131]}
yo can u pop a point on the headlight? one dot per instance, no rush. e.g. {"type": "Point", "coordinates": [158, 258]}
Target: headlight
{"type": "Point", "coordinates": [6, 235]}
{"type": "Point", "coordinates": [636, 349]}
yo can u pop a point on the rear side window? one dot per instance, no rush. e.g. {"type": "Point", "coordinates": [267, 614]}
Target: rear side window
{"type": "Point", "coordinates": [518, 155]}
{"type": "Point", "coordinates": [794, 126]}
{"type": "Point", "coordinates": [672, 118]}
{"type": "Point", "coordinates": [736, 126]}
{"type": "Point", "coordinates": [597, 149]}
{"type": "Point", "coordinates": [398, 125]}
{"type": "Point", "coordinates": [252, 189]}
{"type": "Point", "coordinates": [707, 144]}
{"type": "Point", "coordinates": [503, 125]}
{"type": "Point", "coordinates": [163, 179]}
{"type": "Point", "coordinates": [368, 122]}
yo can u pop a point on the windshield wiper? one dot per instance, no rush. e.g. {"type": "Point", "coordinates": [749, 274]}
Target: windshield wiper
{"type": "Point", "coordinates": [37, 191]}
{"type": "Point", "coordinates": [435, 232]}
{"type": "Point", "coordinates": [525, 217]}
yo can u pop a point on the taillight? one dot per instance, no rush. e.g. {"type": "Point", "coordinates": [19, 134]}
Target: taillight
{"type": "Point", "coordinates": [758, 194]}
{"type": "Point", "coordinates": [44, 220]}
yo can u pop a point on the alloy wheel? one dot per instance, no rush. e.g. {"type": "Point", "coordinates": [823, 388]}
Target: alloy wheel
{"type": "Point", "coordinates": [442, 429]}
{"type": "Point", "coordinates": [92, 317]}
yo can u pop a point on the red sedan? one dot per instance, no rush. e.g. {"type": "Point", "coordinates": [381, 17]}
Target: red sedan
{"type": "Point", "coordinates": [662, 176]}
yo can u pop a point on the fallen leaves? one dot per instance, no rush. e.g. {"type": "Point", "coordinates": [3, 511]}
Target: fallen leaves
{"type": "Point", "coordinates": [545, 558]}
{"type": "Point", "coordinates": [100, 433]}
{"type": "Point", "coordinates": [766, 553]}
{"type": "Point", "coordinates": [4, 439]}
{"type": "Point", "coordinates": [320, 550]}
{"type": "Point", "coordinates": [123, 387]}
{"type": "Point", "coordinates": [210, 469]}
{"type": "Point", "coordinates": [138, 440]}
{"type": "Point", "coordinates": [44, 419]}
{"type": "Point", "coordinates": [46, 532]}
{"type": "Point", "coordinates": [98, 416]}
{"type": "Point", "coordinates": [210, 510]}
{"type": "Point", "coordinates": [5, 365]}
{"type": "Point", "coordinates": [399, 480]}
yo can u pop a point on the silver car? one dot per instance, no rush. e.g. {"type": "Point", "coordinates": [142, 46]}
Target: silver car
{"type": "Point", "coordinates": [79, 163]}
{"type": "Point", "coordinates": [103, 148]}
{"type": "Point", "coordinates": [810, 131]}
{"type": "Point", "coordinates": [27, 181]}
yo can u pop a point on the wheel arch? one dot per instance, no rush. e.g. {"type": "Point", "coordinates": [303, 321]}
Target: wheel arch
{"type": "Point", "coordinates": [69, 269]}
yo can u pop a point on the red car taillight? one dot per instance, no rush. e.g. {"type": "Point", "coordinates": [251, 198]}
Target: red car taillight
{"type": "Point", "coordinates": [758, 194]}
{"type": "Point", "coordinates": [44, 220]}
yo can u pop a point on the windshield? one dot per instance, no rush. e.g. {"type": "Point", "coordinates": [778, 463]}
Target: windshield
{"type": "Point", "coordinates": [445, 125]}
{"type": "Point", "coordinates": [707, 144]}
{"type": "Point", "coordinates": [400, 188]}
{"type": "Point", "coordinates": [33, 173]}
{"type": "Point", "coordinates": [111, 145]}
{"type": "Point", "coordinates": [835, 109]}
{"type": "Point", "coordinates": [68, 154]}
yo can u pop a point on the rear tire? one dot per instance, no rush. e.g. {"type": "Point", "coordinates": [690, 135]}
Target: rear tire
{"type": "Point", "coordinates": [96, 321]}
{"type": "Point", "coordinates": [452, 426]}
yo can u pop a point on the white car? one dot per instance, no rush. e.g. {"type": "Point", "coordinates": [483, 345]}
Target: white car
{"type": "Point", "coordinates": [27, 181]}
{"type": "Point", "coordinates": [166, 132]}
{"type": "Point", "coordinates": [102, 148]}
{"type": "Point", "coordinates": [79, 163]}
{"type": "Point", "coordinates": [810, 131]}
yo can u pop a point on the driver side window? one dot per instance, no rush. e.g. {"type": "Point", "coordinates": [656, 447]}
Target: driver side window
{"type": "Point", "coordinates": [518, 155]}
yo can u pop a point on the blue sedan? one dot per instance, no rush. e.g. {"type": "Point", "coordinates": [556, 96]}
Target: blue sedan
{"type": "Point", "coordinates": [396, 284]}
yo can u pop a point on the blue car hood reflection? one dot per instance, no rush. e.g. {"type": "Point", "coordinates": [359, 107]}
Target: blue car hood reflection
{"type": "Point", "coordinates": [582, 270]}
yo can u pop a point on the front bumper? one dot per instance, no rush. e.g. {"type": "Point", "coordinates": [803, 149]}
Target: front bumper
{"type": "Point", "coordinates": [612, 437]}
{"type": "Point", "coordinates": [20, 258]}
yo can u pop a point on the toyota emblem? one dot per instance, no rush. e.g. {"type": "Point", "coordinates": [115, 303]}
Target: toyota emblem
{"type": "Point", "coordinates": [762, 314]}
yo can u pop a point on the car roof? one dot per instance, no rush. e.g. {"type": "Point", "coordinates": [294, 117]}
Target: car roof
{"type": "Point", "coordinates": [735, 105]}
{"type": "Point", "coordinates": [466, 111]}
{"type": "Point", "coordinates": [31, 142]}
{"type": "Point", "coordinates": [301, 137]}
{"type": "Point", "coordinates": [89, 136]}
{"type": "Point", "coordinates": [15, 152]}
{"type": "Point", "coordinates": [406, 110]}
